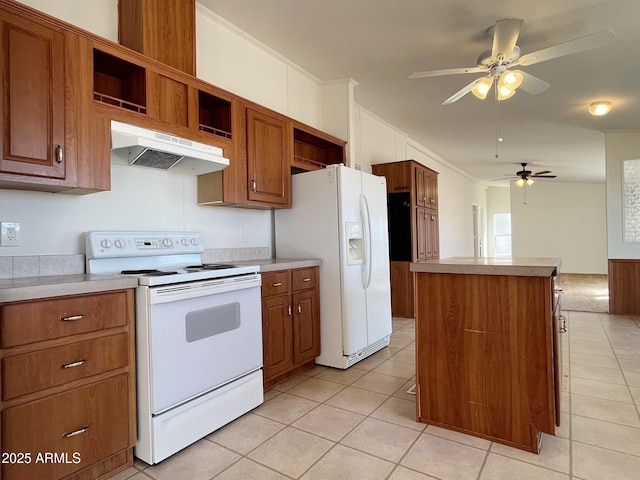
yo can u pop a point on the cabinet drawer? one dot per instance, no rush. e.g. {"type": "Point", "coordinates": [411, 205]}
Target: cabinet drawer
{"type": "Point", "coordinates": [304, 279]}
{"type": "Point", "coordinates": [31, 372]}
{"type": "Point", "coordinates": [35, 321]}
{"type": "Point", "coordinates": [81, 426]}
{"type": "Point", "coordinates": [275, 283]}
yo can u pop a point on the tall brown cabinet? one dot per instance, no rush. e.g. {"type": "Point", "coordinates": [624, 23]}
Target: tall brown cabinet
{"type": "Point", "coordinates": [412, 199]}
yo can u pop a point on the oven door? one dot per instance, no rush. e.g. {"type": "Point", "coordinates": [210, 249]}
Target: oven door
{"type": "Point", "coordinates": [198, 336]}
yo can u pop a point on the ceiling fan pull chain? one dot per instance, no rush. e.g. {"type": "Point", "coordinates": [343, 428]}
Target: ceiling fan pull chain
{"type": "Point", "coordinates": [497, 122]}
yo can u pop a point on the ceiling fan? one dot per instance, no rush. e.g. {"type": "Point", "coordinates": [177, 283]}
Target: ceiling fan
{"type": "Point", "coordinates": [505, 54]}
{"type": "Point", "coordinates": [525, 176]}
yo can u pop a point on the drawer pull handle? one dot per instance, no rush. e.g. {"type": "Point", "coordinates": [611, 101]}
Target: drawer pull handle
{"type": "Point", "coordinates": [306, 279]}
{"type": "Point", "coordinates": [277, 284]}
{"type": "Point", "coordinates": [77, 432]}
{"type": "Point", "coordinates": [72, 318]}
{"type": "Point", "coordinates": [74, 364]}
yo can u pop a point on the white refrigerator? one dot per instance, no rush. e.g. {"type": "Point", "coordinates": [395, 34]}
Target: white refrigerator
{"type": "Point", "coordinates": [339, 215]}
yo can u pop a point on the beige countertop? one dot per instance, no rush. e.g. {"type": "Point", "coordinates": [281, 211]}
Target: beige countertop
{"type": "Point", "coordinates": [274, 264]}
{"type": "Point", "coordinates": [518, 266]}
{"type": "Point", "coordinates": [32, 288]}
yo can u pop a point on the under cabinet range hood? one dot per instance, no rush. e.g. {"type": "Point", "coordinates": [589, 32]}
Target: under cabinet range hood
{"type": "Point", "coordinates": [131, 145]}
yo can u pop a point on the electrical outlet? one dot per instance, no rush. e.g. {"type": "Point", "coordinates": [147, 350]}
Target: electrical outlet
{"type": "Point", "coordinates": [244, 235]}
{"type": "Point", "coordinates": [9, 234]}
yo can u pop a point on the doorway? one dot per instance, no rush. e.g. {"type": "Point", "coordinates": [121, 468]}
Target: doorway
{"type": "Point", "coordinates": [477, 231]}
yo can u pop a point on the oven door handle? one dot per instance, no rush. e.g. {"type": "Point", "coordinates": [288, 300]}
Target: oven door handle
{"type": "Point", "coordinates": [184, 291]}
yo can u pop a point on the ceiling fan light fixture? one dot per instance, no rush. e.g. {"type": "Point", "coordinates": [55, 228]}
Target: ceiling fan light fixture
{"type": "Point", "coordinates": [599, 108]}
{"type": "Point", "coordinates": [512, 79]}
{"type": "Point", "coordinates": [482, 87]}
{"type": "Point", "coordinates": [520, 182]}
{"type": "Point", "coordinates": [504, 91]}
{"type": "Point", "coordinates": [529, 181]}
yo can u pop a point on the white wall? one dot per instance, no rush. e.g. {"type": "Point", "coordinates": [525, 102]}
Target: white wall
{"type": "Point", "coordinates": [619, 146]}
{"type": "Point", "coordinates": [233, 60]}
{"type": "Point", "coordinates": [498, 201]}
{"type": "Point", "coordinates": [139, 199]}
{"type": "Point", "coordinates": [565, 220]}
{"type": "Point", "coordinates": [98, 17]}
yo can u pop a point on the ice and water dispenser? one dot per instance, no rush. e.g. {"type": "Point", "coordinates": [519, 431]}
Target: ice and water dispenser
{"type": "Point", "coordinates": [355, 246]}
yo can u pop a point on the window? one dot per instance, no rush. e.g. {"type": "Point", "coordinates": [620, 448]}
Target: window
{"type": "Point", "coordinates": [631, 200]}
{"type": "Point", "coordinates": [502, 234]}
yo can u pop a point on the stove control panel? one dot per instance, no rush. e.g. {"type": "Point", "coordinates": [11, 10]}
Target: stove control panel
{"type": "Point", "coordinates": [136, 244]}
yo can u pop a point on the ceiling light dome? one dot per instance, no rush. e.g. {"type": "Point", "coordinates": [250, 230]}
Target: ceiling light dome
{"type": "Point", "coordinates": [599, 108]}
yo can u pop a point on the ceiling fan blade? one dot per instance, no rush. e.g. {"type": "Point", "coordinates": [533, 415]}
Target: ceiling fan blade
{"type": "Point", "coordinates": [449, 71]}
{"type": "Point", "coordinates": [459, 94]}
{"type": "Point", "coordinates": [544, 176]}
{"type": "Point", "coordinates": [532, 85]}
{"type": "Point", "coordinates": [567, 48]}
{"type": "Point", "coordinates": [505, 37]}
{"type": "Point", "coordinates": [544, 172]}
{"type": "Point", "coordinates": [506, 178]}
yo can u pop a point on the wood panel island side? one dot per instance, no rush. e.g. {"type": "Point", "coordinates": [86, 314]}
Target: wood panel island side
{"type": "Point", "coordinates": [488, 347]}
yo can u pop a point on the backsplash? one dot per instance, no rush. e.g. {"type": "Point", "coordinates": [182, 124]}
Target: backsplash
{"type": "Point", "coordinates": [214, 255]}
{"type": "Point", "coordinates": [41, 265]}
{"type": "Point", "coordinates": [49, 265]}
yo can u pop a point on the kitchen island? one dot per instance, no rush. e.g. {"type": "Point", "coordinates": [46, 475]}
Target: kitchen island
{"type": "Point", "coordinates": [488, 350]}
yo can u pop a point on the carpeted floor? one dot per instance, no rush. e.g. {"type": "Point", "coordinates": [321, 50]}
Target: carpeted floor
{"type": "Point", "coordinates": [584, 292]}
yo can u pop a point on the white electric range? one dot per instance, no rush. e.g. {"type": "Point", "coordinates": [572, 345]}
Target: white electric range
{"type": "Point", "coordinates": [198, 335]}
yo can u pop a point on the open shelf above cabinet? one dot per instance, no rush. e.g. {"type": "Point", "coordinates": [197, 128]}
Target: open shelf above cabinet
{"type": "Point", "coordinates": [315, 150]}
{"type": "Point", "coordinates": [214, 115]}
{"type": "Point", "coordinates": [119, 83]}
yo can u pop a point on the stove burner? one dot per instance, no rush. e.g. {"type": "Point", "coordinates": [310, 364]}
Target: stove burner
{"type": "Point", "coordinates": [147, 272]}
{"type": "Point", "coordinates": [208, 266]}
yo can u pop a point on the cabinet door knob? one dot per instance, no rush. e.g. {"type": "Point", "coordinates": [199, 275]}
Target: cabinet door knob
{"type": "Point", "coordinates": [59, 154]}
{"type": "Point", "coordinates": [72, 318]}
{"type": "Point", "coordinates": [254, 186]}
{"type": "Point", "coordinates": [299, 308]}
{"type": "Point", "coordinates": [289, 307]}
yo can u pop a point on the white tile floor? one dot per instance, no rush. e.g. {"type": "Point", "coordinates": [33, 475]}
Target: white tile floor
{"type": "Point", "coordinates": [359, 423]}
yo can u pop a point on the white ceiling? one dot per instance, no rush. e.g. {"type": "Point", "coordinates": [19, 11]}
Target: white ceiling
{"type": "Point", "coordinates": [379, 43]}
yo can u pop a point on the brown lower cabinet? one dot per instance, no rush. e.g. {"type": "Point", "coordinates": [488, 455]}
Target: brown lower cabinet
{"type": "Point", "coordinates": [488, 355]}
{"type": "Point", "coordinates": [290, 323]}
{"type": "Point", "coordinates": [68, 386]}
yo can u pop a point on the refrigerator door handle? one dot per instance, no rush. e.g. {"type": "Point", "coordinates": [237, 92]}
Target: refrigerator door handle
{"type": "Point", "coordinates": [366, 220]}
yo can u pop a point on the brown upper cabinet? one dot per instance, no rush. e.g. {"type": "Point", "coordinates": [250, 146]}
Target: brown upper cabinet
{"type": "Point", "coordinates": [46, 117]}
{"type": "Point", "coordinates": [268, 158]}
{"type": "Point", "coordinates": [33, 98]}
{"type": "Point", "coordinates": [160, 29]}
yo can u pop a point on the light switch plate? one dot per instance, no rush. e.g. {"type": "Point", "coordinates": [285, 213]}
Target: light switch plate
{"type": "Point", "coordinates": [9, 234]}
